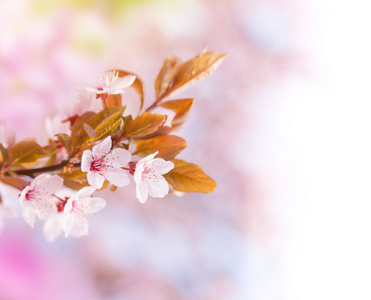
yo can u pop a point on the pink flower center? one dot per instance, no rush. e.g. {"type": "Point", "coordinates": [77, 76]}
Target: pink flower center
{"type": "Point", "coordinates": [31, 195]}
{"type": "Point", "coordinates": [148, 173]}
{"type": "Point", "coordinates": [76, 208]}
{"type": "Point", "coordinates": [97, 165]}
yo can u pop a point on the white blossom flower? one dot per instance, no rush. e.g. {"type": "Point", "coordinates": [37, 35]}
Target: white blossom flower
{"type": "Point", "coordinates": [110, 83]}
{"type": "Point", "coordinates": [36, 198]}
{"type": "Point", "coordinates": [5, 212]}
{"type": "Point", "coordinates": [69, 112]}
{"type": "Point", "coordinates": [81, 103]}
{"type": "Point", "coordinates": [75, 221]}
{"type": "Point", "coordinates": [55, 125]}
{"type": "Point", "coordinates": [102, 163]}
{"type": "Point", "coordinates": [148, 177]}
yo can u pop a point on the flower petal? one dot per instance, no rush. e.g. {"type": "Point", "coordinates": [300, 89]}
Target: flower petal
{"type": "Point", "coordinates": [148, 159]}
{"type": "Point", "coordinates": [45, 208]}
{"type": "Point", "coordinates": [86, 159]}
{"type": "Point", "coordinates": [53, 227]}
{"type": "Point", "coordinates": [75, 225]}
{"type": "Point", "coordinates": [161, 166]}
{"type": "Point", "coordinates": [48, 184]}
{"type": "Point", "coordinates": [84, 193]}
{"type": "Point", "coordinates": [158, 187]}
{"type": "Point", "coordinates": [94, 204]}
{"type": "Point", "coordinates": [142, 192]}
{"type": "Point", "coordinates": [118, 158]}
{"type": "Point", "coordinates": [95, 180]}
{"type": "Point", "coordinates": [138, 173]}
{"type": "Point", "coordinates": [117, 177]}
{"type": "Point", "coordinates": [123, 82]}
{"type": "Point", "coordinates": [103, 148]}
{"type": "Point", "coordinates": [28, 214]}
{"type": "Point", "coordinates": [24, 192]}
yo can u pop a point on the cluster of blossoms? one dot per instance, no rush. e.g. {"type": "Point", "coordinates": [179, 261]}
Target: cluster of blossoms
{"type": "Point", "coordinates": [102, 163]}
{"type": "Point", "coordinates": [93, 145]}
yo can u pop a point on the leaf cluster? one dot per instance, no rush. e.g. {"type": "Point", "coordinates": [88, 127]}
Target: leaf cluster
{"type": "Point", "coordinates": [143, 134]}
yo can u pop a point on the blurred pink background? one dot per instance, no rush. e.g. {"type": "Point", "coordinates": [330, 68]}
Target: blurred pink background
{"type": "Point", "coordinates": [283, 126]}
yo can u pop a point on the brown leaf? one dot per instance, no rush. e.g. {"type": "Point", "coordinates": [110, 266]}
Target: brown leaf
{"type": "Point", "coordinates": [137, 84]}
{"type": "Point", "coordinates": [114, 100]}
{"type": "Point", "coordinates": [175, 77]}
{"type": "Point", "coordinates": [78, 135]}
{"type": "Point", "coordinates": [109, 124]}
{"type": "Point", "coordinates": [166, 75]}
{"type": "Point", "coordinates": [4, 153]}
{"type": "Point", "coordinates": [188, 177]}
{"type": "Point", "coordinates": [168, 146]}
{"type": "Point", "coordinates": [162, 130]}
{"type": "Point", "coordinates": [25, 152]}
{"type": "Point", "coordinates": [101, 122]}
{"type": "Point", "coordinates": [90, 131]}
{"type": "Point", "coordinates": [144, 125]}
{"type": "Point", "coordinates": [66, 141]}
{"type": "Point", "coordinates": [182, 108]}
{"type": "Point", "coordinates": [16, 182]}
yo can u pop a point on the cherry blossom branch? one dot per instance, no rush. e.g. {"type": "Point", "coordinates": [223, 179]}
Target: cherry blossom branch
{"type": "Point", "coordinates": [31, 172]}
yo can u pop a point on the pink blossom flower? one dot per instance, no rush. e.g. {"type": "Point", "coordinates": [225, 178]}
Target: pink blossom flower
{"type": "Point", "coordinates": [102, 163]}
{"type": "Point", "coordinates": [110, 83]}
{"type": "Point", "coordinates": [75, 221]}
{"type": "Point", "coordinates": [5, 212]}
{"type": "Point", "coordinates": [36, 198]}
{"type": "Point", "coordinates": [148, 177]}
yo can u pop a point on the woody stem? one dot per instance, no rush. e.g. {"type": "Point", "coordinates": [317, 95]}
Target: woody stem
{"type": "Point", "coordinates": [31, 172]}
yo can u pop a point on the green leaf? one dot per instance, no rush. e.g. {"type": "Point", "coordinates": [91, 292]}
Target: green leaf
{"type": "Point", "coordinates": [182, 108]}
{"type": "Point", "coordinates": [144, 125]}
{"type": "Point", "coordinates": [26, 152]}
{"type": "Point", "coordinates": [188, 177]}
{"type": "Point", "coordinates": [168, 146]}
{"type": "Point", "coordinates": [175, 77]}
